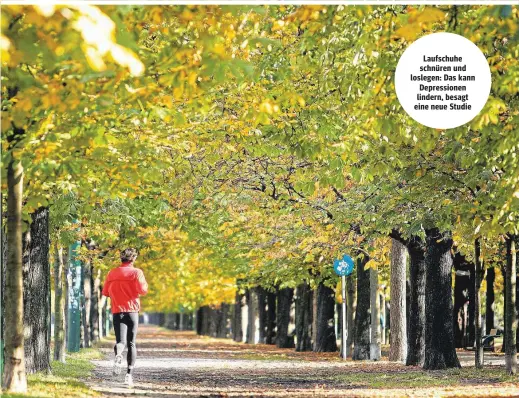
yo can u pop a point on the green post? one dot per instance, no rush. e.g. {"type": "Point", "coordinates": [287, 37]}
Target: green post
{"type": "Point", "coordinates": [74, 301]}
{"type": "Point", "coordinates": [1, 316]}
{"type": "Point", "coordinates": [1, 294]}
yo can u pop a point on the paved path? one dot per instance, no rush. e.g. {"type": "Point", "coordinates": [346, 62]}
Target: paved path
{"type": "Point", "coordinates": [181, 364]}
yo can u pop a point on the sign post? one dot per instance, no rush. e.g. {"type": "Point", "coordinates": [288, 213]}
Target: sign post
{"type": "Point", "coordinates": [343, 268]}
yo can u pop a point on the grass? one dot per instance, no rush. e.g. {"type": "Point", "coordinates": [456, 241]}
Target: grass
{"type": "Point", "coordinates": [64, 381]}
{"type": "Point", "coordinates": [418, 378]}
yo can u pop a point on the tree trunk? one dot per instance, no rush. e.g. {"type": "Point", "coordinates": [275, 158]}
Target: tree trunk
{"type": "Point", "coordinates": [102, 316]}
{"type": "Point", "coordinates": [170, 321]}
{"type": "Point", "coordinates": [510, 310]}
{"type": "Point", "coordinates": [36, 294]}
{"type": "Point", "coordinates": [326, 340]}
{"type": "Point", "coordinates": [440, 352]}
{"type": "Point", "coordinates": [14, 379]}
{"type": "Point", "coordinates": [182, 320]}
{"type": "Point", "coordinates": [382, 297]}
{"type": "Point", "coordinates": [462, 280]}
{"type": "Point", "coordinates": [212, 321]}
{"type": "Point", "coordinates": [207, 320]}
{"type": "Point", "coordinates": [87, 303]}
{"type": "Point", "coordinates": [374, 347]}
{"type": "Point", "coordinates": [271, 318]}
{"type": "Point", "coordinates": [262, 314]}
{"type": "Point", "coordinates": [223, 317]}
{"type": "Point", "coordinates": [416, 323]}
{"type": "Point", "coordinates": [471, 320]}
{"type": "Point", "coordinates": [199, 317]}
{"type": "Point", "coordinates": [362, 315]}
{"type": "Point", "coordinates": [314, 318]}
{"type": "Point", "coordinates": [478, 274]}
{"type": "Point", "coordinates": [283, 318]}
{"type": "Point", "coordinates": [237, 331]}
{"type": "Point", "coordinates": [59, 306]}
{"type": "Point", "coordinates": [253, 323]}
{"type": "Point", "coordinates": [94, 308]}
{"type": "Point", "coordinates": [489, 305]}
{"type": "Point", "coordinates": [245, 316]}
{"type": "Point", "coordinates": [350, 312]}
{"type": "Point", "coordinates": [304, 317]}
{"type": "Point", "coordinates": [398, 347]}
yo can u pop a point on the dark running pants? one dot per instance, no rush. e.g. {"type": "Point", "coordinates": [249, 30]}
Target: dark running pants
{"type": "Point", "coordinates": [125, 327]}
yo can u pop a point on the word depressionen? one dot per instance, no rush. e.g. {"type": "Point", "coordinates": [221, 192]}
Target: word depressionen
{"type": "Point", "coordinates": [444, 58]}
{"type": "Point", "coordinates": [448, 87]}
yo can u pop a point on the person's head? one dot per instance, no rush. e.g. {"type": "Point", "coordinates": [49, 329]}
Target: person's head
{"type": "Point", "coordinates": [128, 255]}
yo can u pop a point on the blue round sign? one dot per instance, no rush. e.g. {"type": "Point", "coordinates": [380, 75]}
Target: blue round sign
{"type": "Point", "coordinates": [344, 267]}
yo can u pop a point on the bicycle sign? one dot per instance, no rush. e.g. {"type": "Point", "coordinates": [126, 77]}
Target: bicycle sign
{"type": "Point", "coordinates": [344, 266]}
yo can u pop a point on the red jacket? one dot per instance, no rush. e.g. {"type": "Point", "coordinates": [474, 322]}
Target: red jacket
{"type": "Point", "coordinates": [124, 285]}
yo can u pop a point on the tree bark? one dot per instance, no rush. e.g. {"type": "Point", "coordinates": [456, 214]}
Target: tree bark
{"type": "Point", "coordinates": [94, 308]}
{"type": "Point", "coordinates": [471, 321]}
{"type": "Point", "coordinates": [213, 321]}
{"type": "Point", "coordinates": [271, 318]}
{"type": "Point", "coordinates": [223, 317]}
{"type": "Point", "coordinates": [253, 323]}
{"type": "Point", "coordinates": [102, 317]}
{"type": "Point", "coordinates": [182, 320]}
{"type": "Point", "coordinates": [36, 294]}
{"type": "Point", "coordinates": [374, 347]}
{"type": "Point", "coordinates": [237, 331]}
{"type": "Point", "coordinates": [59, 306]}
{"type": "Point", "coordinates": [462, 281]}
{"type": "Point", "coordinates": [170, 321]}
{"type": "Point", "coordinates": [326, 340]}
{"type": "Point", "coordinates": [199, 318]}
{"type": "Point", "coordinates": [87, 303]}
{"type": "Point", "coordinates": [416, 323]}
{"type": "Point", "coordinates": [478, 274]}
{"type": "Point", "coordinates": [351, 294]}
{"type": "Point", "coordinates": [245, 316]}
{"type": "Point", "coordinates": [283, 318]}
{"type": "Point", "coordinates": [362, 315]}
{"type": "Point", "coordinates": [382, 297]}
{"type": "Point", "coordinates": [489, 305]}
{"type": "Point", "coordinates": [510, 310]}
{"type": "Point", "coordinates": [304, 317]}
{"type": "Point", "coordinates": [440, 352]}
{"type": "Point", "coordinates": [314, 318]}
{"type": "Point", "coordinates": [398, 347]}
{"type": "Point", "coordinates": [262, 314]}
{"type": "Point", "coordinates": [14, 379]}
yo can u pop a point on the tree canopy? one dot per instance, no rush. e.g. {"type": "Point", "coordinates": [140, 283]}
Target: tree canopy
{"type": "Point", "coordinates": [252, 143]}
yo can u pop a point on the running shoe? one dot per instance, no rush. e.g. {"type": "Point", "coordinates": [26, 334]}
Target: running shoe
{"type": "Point", "coordinates": [128, 380]}
{"type": "Point", "coordinates": [118, 362]}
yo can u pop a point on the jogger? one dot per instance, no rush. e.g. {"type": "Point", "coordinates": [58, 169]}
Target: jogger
{"type": "Point", "coordinates": [124, 285]}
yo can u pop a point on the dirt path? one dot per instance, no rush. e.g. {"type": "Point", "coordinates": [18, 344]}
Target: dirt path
{"type": "Point", "coordinates": [175, 364]}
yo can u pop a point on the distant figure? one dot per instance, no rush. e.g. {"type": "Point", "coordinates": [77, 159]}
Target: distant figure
{"type": "Point", "coordinates": [124, 285]}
